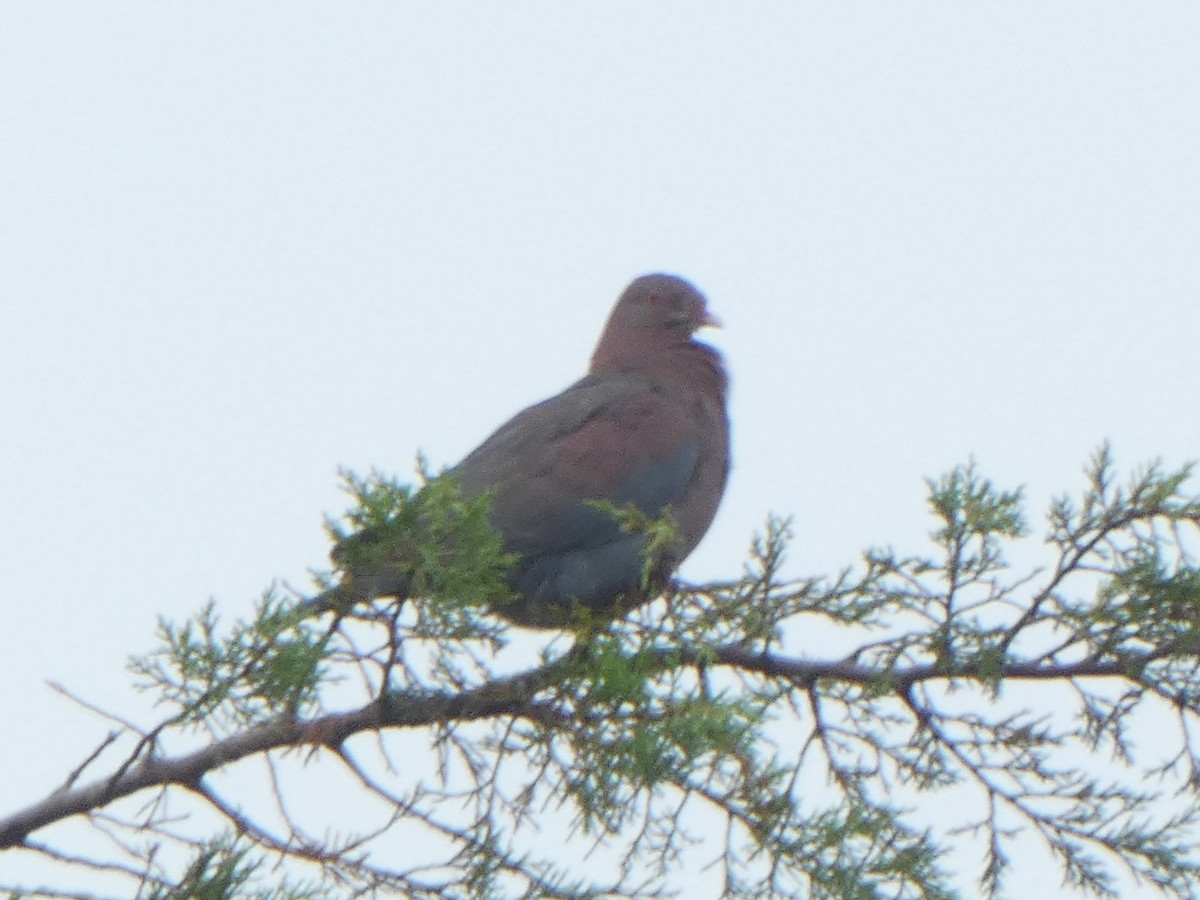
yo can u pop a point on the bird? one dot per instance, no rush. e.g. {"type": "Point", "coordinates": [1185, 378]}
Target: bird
{"type": "Point", "coordinates": [646, 426]}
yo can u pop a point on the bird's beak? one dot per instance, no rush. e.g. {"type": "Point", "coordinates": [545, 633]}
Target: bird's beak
{"type": "Point", "coordinates": [708, 320]}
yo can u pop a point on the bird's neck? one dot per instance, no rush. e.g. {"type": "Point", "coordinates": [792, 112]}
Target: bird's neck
{"type": "Point", "coordinates": [687, 361]}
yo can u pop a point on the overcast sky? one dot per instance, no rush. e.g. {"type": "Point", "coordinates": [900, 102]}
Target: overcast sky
{"type": "Point", "coordinates": [244, 244]}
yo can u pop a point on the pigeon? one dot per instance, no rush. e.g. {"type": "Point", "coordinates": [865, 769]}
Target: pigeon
{"type": "Point", "coordinates": [646, 428]}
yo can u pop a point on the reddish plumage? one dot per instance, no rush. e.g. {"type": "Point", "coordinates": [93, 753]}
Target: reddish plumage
{"type": "Point", "coordinates": [646, 426]}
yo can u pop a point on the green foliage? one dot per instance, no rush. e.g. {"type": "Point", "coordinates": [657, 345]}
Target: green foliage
{"type": "Point", "coordinates": [434, 540]}
{"type": "Point", "coordinates": [633, 734]}
{"type": "Point", "coordinates": [788, 735]}
{"type": "Point", "coordinates": [258, 670]}
{"type": "Point", "coordinates": [224, 869]}
{"type": "Point", "coordinates": [861, 850]}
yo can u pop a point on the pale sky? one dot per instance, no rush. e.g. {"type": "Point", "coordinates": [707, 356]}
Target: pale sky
{"type": "Point", "coordinates": [243, 244]}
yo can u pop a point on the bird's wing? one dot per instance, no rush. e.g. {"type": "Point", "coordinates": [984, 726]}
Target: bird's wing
{"type": "Point", "coordinates": [618, 438]}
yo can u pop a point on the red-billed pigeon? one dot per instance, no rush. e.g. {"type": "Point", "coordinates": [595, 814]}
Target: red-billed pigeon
{"type": "Point", "coordinates": [646, 426]}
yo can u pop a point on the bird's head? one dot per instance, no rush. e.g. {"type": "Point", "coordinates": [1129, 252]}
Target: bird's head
{"type": "Point", "coordinates": [666, 304]}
